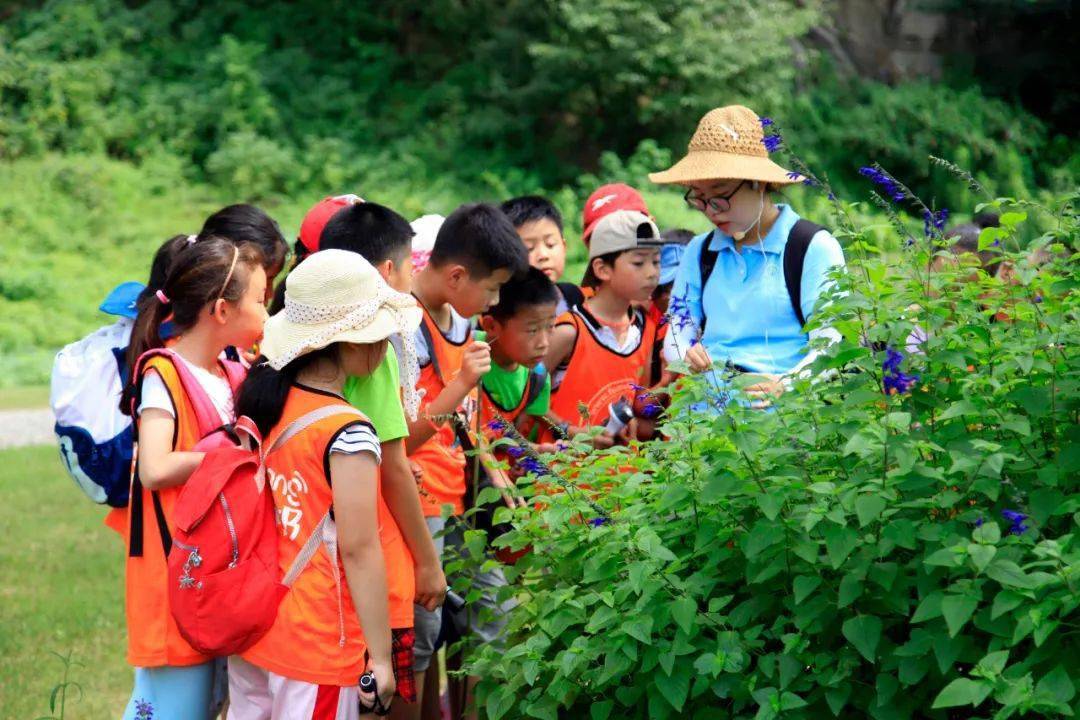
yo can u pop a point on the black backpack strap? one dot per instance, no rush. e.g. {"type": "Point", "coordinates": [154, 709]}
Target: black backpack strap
{"type": "Point", "coordinates": [798, 243]}
{"type": "Point", "coordinates": [135, 526]}
{"type": "Point", "coordinates": [706, 263]}
{"type": "Point", "coordinates": [431, 348]}
{"type": "Point", "coordinates": [534, 386]}
{"type": "Point", "coordinates": [571, 293]}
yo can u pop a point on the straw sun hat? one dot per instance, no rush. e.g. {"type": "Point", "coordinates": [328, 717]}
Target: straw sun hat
{"type": "Point", "coordinates": [727, 145]}
{"type": "Point", "coordinates": [338, 296]}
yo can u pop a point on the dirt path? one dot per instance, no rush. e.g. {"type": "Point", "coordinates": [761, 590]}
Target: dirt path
{"type": "Point", "coordinates": [26, 427]}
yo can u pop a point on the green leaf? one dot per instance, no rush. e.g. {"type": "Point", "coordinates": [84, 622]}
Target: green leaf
{"type": "Point", "coordinates": [929, 608]}
{"type": "Point", "coordinates": [962, 691]}
{"type": "Point", "coordinates": [804, 585]}
{"type": "Point", "coordinates": [1057, 685]}
{"type": "Point", "coordinates": [840, 540]}
{"type": "Point", "coordinates": [770, 505]}
{"type": "Point", "coordinates": [837, 697]}
{"type": "Point", "coordinates": [1008, 574]}
{"type": "Point", "coordinates": [1005, 601]}
{"type": "Point", "coordinates": [761, 536]}
{"type": "Point", "coordinates": [993, 663]}
{"type": "Point", "coordinates": [868, 507]}
{"type": "Point", "coordinates": [499, 702]}
{"type": "Point", "coordinates": [851, 587]}
{"type": "Point", "coordinates": [601, 710]}
{"type": "Point", "coordinates": [989, 532]}
{"type": "Point", "coordinates": [864, 632]}
{"type": "Point", "coordinates": [957, 610]}
{"type": "Point", "coordinates": [639, 628]}
{"type": "Point", "coordinates": [674, 688]}
{"type": "Point", "coordinates": [649, 543]}
{"type": "Point", "coordinates": [684, 611]}
{"type": "Point", "coordinates": [959, 408]}
{"type": "Point", "coordinates": [981, 555]}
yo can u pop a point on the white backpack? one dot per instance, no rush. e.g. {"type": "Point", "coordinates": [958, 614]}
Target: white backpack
{"type": "Point", "coordinates": [95, 438]}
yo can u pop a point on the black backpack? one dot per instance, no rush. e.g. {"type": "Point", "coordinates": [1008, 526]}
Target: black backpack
{"type": "Point", "coordinates": [798, 242]}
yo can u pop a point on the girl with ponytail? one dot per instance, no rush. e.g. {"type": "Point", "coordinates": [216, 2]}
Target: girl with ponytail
{"type": "Point", "coordinates": [212, 295]}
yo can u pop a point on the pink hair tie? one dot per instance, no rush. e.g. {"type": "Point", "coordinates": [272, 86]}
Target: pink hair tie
{"type": "Point", "coordinates": [162, 297]}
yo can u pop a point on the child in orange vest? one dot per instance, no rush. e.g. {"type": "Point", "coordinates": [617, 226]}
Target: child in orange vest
{"type": "Point", "coordinates": [517, 388]}
{"type": "Point", "coordinates": [333, 625]}
{"type": "Point", "coordinates": [540, 225]}
{"type": "Point", "coordinates": [214, 292]}
{"type": "Point", "coordinates": [605, 346]}
{"type": "Point", "coordinates": [475, 252]}
{"type": "Point", "coordinates": [414, 569]}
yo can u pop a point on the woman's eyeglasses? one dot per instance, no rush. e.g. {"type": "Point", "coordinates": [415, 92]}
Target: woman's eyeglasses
{"type": "Point", "coordinates": [717, 203]}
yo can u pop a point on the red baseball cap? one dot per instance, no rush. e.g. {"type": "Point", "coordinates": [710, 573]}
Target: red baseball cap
{"type": "Point", "coordinates": [318, 216]}
{"type": "Point", "coordinates": [605, 200]}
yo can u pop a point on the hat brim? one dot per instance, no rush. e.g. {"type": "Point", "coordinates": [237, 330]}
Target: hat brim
{"type": "Point", "coordinates": [705, 165]}
{"type": "Point", "coordinates": [285, 338]}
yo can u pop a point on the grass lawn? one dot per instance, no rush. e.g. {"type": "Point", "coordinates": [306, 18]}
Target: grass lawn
{"type": "Point", "coordinates": [22, 398]}
{"type": "Point", "coordinates": [61, 590]}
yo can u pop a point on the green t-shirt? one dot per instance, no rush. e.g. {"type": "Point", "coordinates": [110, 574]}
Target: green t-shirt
{"type": "Point", "coordinates": [507, 387]}
{"type": "Point", "coordinates": [379, 397]}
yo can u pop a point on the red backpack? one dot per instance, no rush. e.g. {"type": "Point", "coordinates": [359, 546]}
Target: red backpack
{"type": "Point", "coordinates": [212, 431]}
{"type": "Point", "coordinates": [224, 582]}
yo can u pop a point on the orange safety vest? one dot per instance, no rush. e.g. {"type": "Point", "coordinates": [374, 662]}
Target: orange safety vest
{"type": "Point", "coordinates": [597, 376]}
{"type": "Point", "coordinates": [316, 637]}
{"type": "Point", "coordinates": [153, 638]}
{"type": "Point", "coordinates": [441, 458]}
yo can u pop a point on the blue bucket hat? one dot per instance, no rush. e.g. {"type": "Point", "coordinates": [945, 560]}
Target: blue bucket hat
{"type": "Point", "coordinates": [121, 301]}
{"type": "Point", "coordinates": [670, 257]}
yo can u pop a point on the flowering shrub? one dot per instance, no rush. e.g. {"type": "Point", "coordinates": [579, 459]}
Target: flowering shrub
{"type": "Point", "coordinates": [895, 538]}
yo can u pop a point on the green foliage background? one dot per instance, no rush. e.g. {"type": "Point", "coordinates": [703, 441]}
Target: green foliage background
{"type": "Point", "coordinates": [123, 123]}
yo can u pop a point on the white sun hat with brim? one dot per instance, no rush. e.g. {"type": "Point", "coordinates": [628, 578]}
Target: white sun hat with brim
{"type": "Point", "coordinates": [338, 296]}
{"type": "Point", "coordinates": [729, 144]}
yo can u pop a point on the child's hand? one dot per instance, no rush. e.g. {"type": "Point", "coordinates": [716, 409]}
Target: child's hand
{"type": "Point", "coordinates": [698, 358]}
{"type": "Point", "coordinates": [500, 480]}
{"type": "Point", "coordinates": [762, 393]}
{"type": "Point", "coordinates": [417, 473]}
{"type": "Point", "coordinates": [430, 586]}
{"type": "Point", "coordinates": [476, 362]}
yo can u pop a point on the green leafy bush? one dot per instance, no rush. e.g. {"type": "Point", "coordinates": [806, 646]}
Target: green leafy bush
{"type": "Point", "coordinates": [855, 551]}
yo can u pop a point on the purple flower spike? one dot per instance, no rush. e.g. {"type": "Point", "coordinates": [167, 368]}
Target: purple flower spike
{"type": "Point", "coordinates": [772, 142]}
{"type": "Point", "coordinates": [496, 424]}
{"type": "Point", "coordinates": [766, 122]}
{"type": "Point", "coordinates": [514, 451]}
{"type": "Point", "coordinates": [652, 411]}
{"type": "Point", "coordinates": [598, 521]}
{"type": "Point", "coordinates": [1017, 519]}
{"type": "Point", "coordinates": [143, 710]}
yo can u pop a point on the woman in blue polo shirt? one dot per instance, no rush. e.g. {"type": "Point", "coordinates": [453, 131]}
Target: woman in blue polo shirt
{"type": "Point", "coordinates": [751, 308]}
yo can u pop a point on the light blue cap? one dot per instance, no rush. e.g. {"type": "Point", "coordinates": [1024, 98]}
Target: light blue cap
{"type": "Point", "coordinates": [121, 301]}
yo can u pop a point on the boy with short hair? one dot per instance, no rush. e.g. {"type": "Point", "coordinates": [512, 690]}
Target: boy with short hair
{"type": "Point", "coordinates": [475, 252]}
{"type": "Point", "coordinates": [384, 239]}
{"type": "Point", "coordinates": [540, 225]}
{"type": "Point", "coordinates": [603, 347]}
{"type": "Point", "coordinates": [519, 329]}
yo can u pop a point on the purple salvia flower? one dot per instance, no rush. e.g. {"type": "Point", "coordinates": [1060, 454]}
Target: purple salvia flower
{"type": "Point", "coordinates": [895, 381]}
{"type": "Point", "coordinates": [772, 142]}
{"type": "Point", "coordinates": [143, 710]}
{"type": "Point", "coordinates": [514, 451]}
{"type": "Point", "coordinates": [766, 122]}
{"type": "Point", "coordinates": [598, 521]}
{"type": "Point", "coordinates": [1017, 519]}
{"type": "Point", "coordinates": [496, 425]}
{"type": "Point", "coordinates": [652, 411]}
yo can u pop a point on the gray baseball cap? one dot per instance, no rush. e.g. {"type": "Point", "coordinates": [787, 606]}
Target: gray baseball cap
{"type": "Point", "coordinates": [623, 230]}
